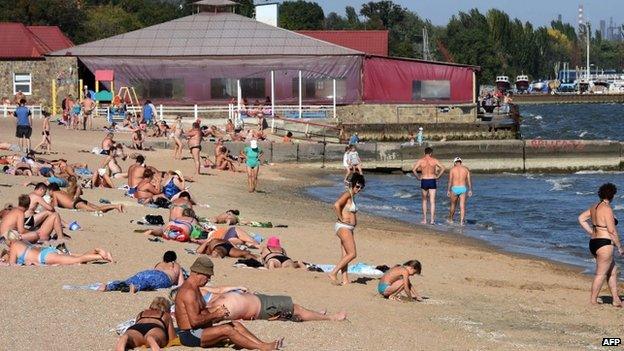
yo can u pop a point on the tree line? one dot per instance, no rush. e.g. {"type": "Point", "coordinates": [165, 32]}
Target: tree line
{"type": "Point", "coordinates": [493, 40]}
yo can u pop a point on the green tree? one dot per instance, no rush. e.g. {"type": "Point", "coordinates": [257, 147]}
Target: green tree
{"type": "Point", "coordinates": [107, 21]}
{"type": "Point", "coordinates": [63, 13]}
{"type": "Point", "coordinates": [334, 21]}
{"type": "Point", "coordinates": [295, 15]}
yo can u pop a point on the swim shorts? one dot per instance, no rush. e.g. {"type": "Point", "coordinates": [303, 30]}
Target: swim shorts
{"type": "Point", "coordinates": [23, 132]}
{"type": "Point", "coordinates": [190, 337]}
{"type": "Point", "coordinates": [428, 184]}
{"type": "Point", "coordinates": [381, 287]}
{"type": "Point", "coordinates": [275, 306]}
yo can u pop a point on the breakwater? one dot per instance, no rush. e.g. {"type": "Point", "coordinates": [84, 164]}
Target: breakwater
{"type": "Point", "coordinates": [535, 155]}
{"type": "Point", "coordinates": [529, 99]}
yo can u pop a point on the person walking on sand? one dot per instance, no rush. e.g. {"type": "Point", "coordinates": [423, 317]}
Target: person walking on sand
{"type": "Point", "coordinates": [23, 130]}
{"type": "Point", "coordinates": [88, 106]}
{"type": "Point", "coordinates": [195, 137]}
{"type": "Point", "coordinates": [176, 134]}
{"type": "Point", "coordinates": [46, 141]}
{"type": "Point", "coordinates": [428, 170]}
{"type": "Point", "coordinates": [346, 213]}
{"type": "Point", "coordinates": [196, 321]}
{"type": "Point", "coordinates": [252, 155]}
{"type": "Point", "coordinates": [459, 185]}
{"type": "Point", "coordinates": [603, 237]}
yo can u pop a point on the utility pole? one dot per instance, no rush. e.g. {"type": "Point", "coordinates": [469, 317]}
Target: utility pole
{"type": "Point", "coordinates": [426, 53]}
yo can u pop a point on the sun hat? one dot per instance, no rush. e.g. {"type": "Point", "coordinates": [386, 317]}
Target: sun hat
{"type": "Point", "coordinates": [274, 242]}
{"type": "Point", "coordinates": [254, 144]}
{"type": "Point", "coordinates": [457, 159]}
{"type": "Point", "coordinates": [203, 265]}
{"type": "Point", "coordinates": [179, 173]}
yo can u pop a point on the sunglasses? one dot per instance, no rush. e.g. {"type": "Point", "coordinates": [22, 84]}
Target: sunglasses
{"type": "Point", "coordinates": [358, 187]}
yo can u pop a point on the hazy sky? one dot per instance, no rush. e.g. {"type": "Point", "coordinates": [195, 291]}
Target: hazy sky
{"type": "Point", "coordinates": [539, 12]}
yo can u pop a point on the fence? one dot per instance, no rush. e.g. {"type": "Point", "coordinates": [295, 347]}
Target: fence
{"type": "Point", "coordinates": [7, 110]}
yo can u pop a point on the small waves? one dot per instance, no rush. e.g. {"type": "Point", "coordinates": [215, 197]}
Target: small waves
{"type": "Point", "coordinates": [559, 184]}
{"type": "Point", "coordinates": [385, 208]}
{"type": "Point", "coordinates": [402, 194]}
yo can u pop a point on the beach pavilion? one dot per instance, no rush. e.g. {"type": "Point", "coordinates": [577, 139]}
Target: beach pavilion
{"type": "Point", "coordinates": [215, 56]}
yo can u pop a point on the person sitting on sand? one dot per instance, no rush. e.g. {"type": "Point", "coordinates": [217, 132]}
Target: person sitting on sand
{"type": "Point", "coordinates": [603, 236]}
{"type": "Point", "coordinates": [241, 304]}
{"type": "Point", "coordinates": [164, 275]}
{"type": "Point", "coordinates": [149, 188]}
{"type": "Point", "coordinates": [135, 173]}
{"type": "Point", "coordinates": [64, 199]}
{"type": "Point", "coordinates": [153, 328]}
{"type": "Point", "coordinates": [223, 162]}
{"type": "Point", "coordinates": [178, 205]}
{"type": "Point", "coordinates": [235, 236]}
{"type": "Point", "coordinates": [39, 210]}
{"type": "Point", "coordinates": [111, 161]}
{"type": "Point", "coordinates": [16, 219]}
{"type": "Point", "coordinates": [396, 280]}
{"type": "Point", "coordinates": [229, 217]}
{"type": "Point", "coordinates": [220, 248]}
{"type": "Point", "coordinates": [23, 254]}
{"type": "Point", "coordinates": [137, 140]}
{"type": "Point", "coordinates": [274, 256]}
{"type": "Point", "coordinates": [196, 321]}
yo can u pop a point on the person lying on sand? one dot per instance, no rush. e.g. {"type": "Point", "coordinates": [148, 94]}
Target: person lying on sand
{"type": "Point", "coordinates": [64, 199]}
{"type": "Point", "coordinates": [274, 256]}
{"type": "Point", "coordinates": [153, 328]}
{"type": "Point", "coordinates": [164, 275]}
{"type": "Point", "coordinates": [25, 226]}
{"type": "Point", "coordinates": [23, 254]}
{"type": "Point", "coordinates": [235, 236]}
{"type": "Point", "coordinates": [177, 207]}
{"type": "Point", "coordinates": [229, 217]}
{"type": "Point", "coordinates": [241, 304]}
{"type": "Point", "coordinates": [220, 248]}
{"type": "Point", "coordinates": [180, 229]}
{"type": "Point", "coordinates": [196, 321]}
{"type": "Point", "coordinates": [396, 280]}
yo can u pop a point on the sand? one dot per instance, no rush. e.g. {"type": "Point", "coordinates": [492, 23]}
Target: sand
{"type": "Point", "coordinates": [478, 298]}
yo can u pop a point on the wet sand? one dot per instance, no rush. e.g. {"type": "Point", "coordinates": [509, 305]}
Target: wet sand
{"type": "Point", "coordinates": [478, 298]}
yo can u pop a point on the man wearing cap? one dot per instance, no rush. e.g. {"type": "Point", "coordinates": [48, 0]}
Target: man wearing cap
{"type": "Point", "coordinates": [428, 170]}
{"type": "Point", "coordinates": [459, 185]}
{"type": "Point", "coordinates": [195, 320]}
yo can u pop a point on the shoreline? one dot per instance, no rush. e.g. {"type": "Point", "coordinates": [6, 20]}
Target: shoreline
{"type": "Point", "coordinates": [452, 234]}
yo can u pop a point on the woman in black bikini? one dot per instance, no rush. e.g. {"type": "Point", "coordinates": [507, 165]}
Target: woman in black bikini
{"type": "Point", "coordinates": [274, 256]}
{"type": "Point", "coordinates": [604, 236]}
{"type": "Point", "coordinates": [153, 328]}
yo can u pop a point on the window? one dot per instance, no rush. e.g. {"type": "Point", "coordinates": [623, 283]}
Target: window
{"type": "Point", "coordinates": [22, 82]}
{"type": "Point", "coordinates": [431, 90]}
{"type": "Point", "coordinates": [225, 88]}
{"type": "Point", "coordinates": [161, 88]}
{"type": "Point", "coordinates": [319, 88]}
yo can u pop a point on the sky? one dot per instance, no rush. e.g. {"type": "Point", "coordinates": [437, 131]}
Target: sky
{"type": "Point", "coordinates": [538, 12]}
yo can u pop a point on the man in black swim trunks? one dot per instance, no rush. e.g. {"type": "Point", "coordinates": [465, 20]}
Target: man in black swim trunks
{"type": "Point", "coordinates": [195, 137]}
{"type": "Point", "coordinates": [428, 170]}
{"type": "Point", "coordinates": [23, 129]}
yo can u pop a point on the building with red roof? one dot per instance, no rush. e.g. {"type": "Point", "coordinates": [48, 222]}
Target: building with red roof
{"type": "Point", "coordinates": [24, 66]}
{"type": "Point", "coordinates": [371, 42]}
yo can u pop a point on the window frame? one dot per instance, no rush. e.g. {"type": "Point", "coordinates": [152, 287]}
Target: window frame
{"type": "Point", "coordinates": [421, 98]}
{"type": "Point", "coordinates": [22, 83]}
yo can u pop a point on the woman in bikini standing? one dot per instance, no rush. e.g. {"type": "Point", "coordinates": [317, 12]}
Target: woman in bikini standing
{"type": "Point", "coordinates": [346, 210]}
{"type": "Point", "coordinates": [176, 134]}
{"type": "Point", "coordinates": [604, 236]}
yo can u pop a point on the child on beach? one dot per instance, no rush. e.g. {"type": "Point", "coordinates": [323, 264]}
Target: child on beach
{"type": "Point", "coordinates": [396, 280]}
{"type": "Point", "coordinates": [46, 142]}
{"type": "Point", "coordinates": [354, 160]}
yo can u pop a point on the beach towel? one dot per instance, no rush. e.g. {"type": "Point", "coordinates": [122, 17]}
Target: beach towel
{"type": "Point", "coordinates": [92, 287]}
{"type": "Point", "coordinates": [358, 269]}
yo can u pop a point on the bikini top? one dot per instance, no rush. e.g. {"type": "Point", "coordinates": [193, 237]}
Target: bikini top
{"type": "Point", "coordinates": [170, 189]}
{"type": "Point", "coordinates": [353, 207]}
{"type": "Point", "coordinates": [160, 318]}
{"type": "Point", "coordinates": [603, 226]}
{"type": "Point", "coordinates": [21, 259]}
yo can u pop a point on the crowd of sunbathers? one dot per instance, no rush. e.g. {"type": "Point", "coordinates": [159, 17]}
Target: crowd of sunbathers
{"type": "Point", "coordinates": [34, 233]}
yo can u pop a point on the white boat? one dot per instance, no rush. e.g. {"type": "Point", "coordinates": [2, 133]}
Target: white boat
{"type": "Point", "coordinates": [522, 83]}
{"type": "Point", "coordinates": [502, 83]}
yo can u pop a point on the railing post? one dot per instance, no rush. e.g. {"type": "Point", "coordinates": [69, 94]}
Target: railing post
{"type": "Point", "coordinates": [273, 94]}
{"type": "Point", "coordinates": [160, 111]}
{"type": "Point", "coordinates": [195, 114]}
{"type": "Point", "coordinates": [300, 96]}
{"type": "Point", "coordinates": [334, 98]}
{"type": "Point", "coordinates": [5, 111]}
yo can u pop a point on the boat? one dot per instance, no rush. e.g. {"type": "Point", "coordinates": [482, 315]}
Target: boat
{"type": "Point", "coordinates": [522, 83]}
{"type": "Point", "coordinates": [502, 83]}
{"type": "Point", "coordinates": [538, 86]}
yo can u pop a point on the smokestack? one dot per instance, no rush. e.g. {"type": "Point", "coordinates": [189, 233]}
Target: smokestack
{"type": "Point", "coordinates": [267, 11]}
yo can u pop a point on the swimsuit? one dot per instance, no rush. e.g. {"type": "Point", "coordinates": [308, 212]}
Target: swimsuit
{"type": "Point", "coordinates": [43, 254]}
{"type": "Point", "coordinates": [170, 189]}
{"type": "Point", "coordinates": [340, 225]}
{"type": "Point", "coordinates": [77, 201]}
{"type": "Point", "coordinates": [428, 184]}
{"type": "Point", "coordinates": [597, 243]}
{"type": "Point", "coordinates": [252, 157]}
{"type": "Point", "coordinates": [227, 246]}
{"type": "Point", "coordinates": [21, 259]}
{"type": "Point", "coordinates": [29, 222]}
{"type": "Point", "coordinates": [148, 280]}
{"type": "Point", "coordinates": [277, 256]}
{"type": "Point", "coordinates": [195, 147]}
{"type": "Point", "coordinates": [190, 337]}
{"type": "Point", "coordinates": [459, 190]}
{"type": "Point", "coordinates": [381, 287]}
{"type": "Point", "coordinates": [275, 306]}
{"type": "Point", "coordinates": [144, 328]}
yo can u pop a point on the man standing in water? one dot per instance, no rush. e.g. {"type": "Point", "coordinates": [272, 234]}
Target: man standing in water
{"type": "Point", "coordinates": [459, 178]}
{"type": "Point", "coordinates": [428, 170]}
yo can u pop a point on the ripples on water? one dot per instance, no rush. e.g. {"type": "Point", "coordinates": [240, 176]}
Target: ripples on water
{"type": "Point", "coordinates": [529, 213]}
{"type": "Point", "coordinates": [573, 121]}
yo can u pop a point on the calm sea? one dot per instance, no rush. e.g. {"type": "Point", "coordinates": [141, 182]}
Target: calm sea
{"type": "Point", "coordinates": [525, 213]}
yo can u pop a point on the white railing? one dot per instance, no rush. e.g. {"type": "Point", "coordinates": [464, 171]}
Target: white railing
{"type": "Point", "coordinates": [164, 112]}
{"type": "Point", "coordinates": [7, 110]}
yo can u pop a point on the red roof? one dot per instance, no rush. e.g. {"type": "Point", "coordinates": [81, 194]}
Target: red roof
{"type": "Point", "coordinates": [18, 41]}
{"type": "Point", "coordinates": [373, 42]}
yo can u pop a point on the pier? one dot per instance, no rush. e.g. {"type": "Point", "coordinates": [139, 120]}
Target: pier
{"type": "Point", "coordinates": [530, 99]}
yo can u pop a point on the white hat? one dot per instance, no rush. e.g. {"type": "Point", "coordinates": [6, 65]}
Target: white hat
{"type": "Point", "coordinates": [457, 159]}
{"type": "Point", "coordinates": [420, 128]}
{"type": "Point", "coordinates": [254, 144]}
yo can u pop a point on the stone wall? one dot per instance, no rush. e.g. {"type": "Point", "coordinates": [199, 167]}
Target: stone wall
{"type": "Point", "coordinates": [407, 114]}
{"type": "Point", "coordinates": [63, 69]}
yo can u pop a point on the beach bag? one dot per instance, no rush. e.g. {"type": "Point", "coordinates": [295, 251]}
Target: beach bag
{"type": "Point", "coordinates": [162, 203]}
{"type": "Point", "coordinates": [155, 219]}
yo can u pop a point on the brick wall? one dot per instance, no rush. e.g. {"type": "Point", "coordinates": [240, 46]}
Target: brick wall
{"type": "Point", "coordinates": [63, 69]}
{"type": "Point", "coordinates": [400, 114]}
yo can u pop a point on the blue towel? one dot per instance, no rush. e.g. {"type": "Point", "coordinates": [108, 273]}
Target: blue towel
{"type": "Point", "coordinates": [358, 268]}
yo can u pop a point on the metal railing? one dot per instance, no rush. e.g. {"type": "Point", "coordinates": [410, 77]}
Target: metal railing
{"type": "Point", "coordinates": [7, 110]}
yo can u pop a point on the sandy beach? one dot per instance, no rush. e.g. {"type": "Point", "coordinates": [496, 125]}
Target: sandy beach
{"type": "Point", "coordinates": [478, 298]}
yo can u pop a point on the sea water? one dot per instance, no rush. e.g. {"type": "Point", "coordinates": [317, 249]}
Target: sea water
{"type": "Point", "coordinates": [532, 214]}
{"type": "Point", "coordinates": [524, 213]}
